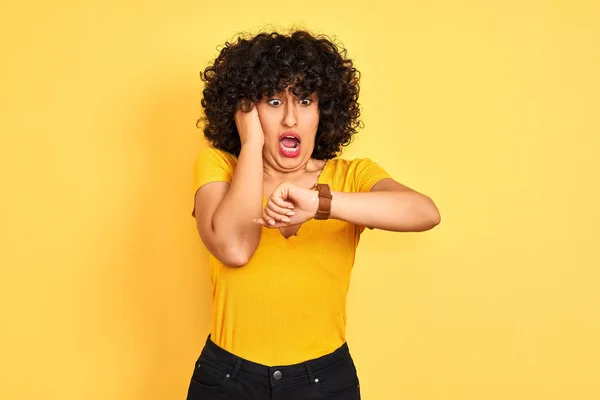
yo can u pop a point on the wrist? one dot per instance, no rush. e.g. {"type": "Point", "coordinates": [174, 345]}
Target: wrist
{"type": "Point", "coordinates": [325, 198]}
{"type": "Point", "coordinates": [253, 144]}
{"type": "Point", "coordinates": [336, 203]}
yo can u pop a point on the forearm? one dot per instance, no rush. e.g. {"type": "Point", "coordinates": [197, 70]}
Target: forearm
{"type": "Point", "coordinates": [401, 211]}
{"type": "Point", "coordinates": [233, 220]}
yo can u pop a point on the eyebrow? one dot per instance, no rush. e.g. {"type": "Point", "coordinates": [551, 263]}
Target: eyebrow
{"type": "Point", "coordinates": [281, 94]}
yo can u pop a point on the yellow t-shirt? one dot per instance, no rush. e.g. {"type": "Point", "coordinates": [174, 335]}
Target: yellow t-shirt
{"type": "Point", "coordinates": [288, 304]}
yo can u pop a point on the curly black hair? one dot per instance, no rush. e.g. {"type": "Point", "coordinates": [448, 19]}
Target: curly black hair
{"type": "Point", "coordinates": [266, 64]}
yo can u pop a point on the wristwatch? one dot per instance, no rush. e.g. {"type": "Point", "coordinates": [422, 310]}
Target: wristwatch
{"type": "Point", "coordinates": [324, 210]}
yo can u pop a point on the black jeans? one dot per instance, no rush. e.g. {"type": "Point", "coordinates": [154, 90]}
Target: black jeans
{"type": "Point", "coordinates": [220, 375]}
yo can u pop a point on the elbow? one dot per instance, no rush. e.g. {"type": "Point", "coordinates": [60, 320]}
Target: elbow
{"type": "Point", "coordinates": [433, 216]}
{"type": "Point", "coordinates": [429, 217]}
{"type": "Point", "coordinates": [436, 219]}
{"type": "Point", "coordinates": [232, 250]}
{"type": "Point", "coordinates": [235, 260]}
{"type": "Point", "coordinates": [235, 257]}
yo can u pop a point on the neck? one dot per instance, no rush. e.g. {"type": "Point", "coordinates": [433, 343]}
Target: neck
{"type": "Point", "coordinates": [274, 174]}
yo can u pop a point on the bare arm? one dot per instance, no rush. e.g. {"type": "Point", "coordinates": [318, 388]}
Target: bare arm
{"type": "Point", "coordinates": [225, 212]}
{"type": "Point", "coordinates": [389, 205]}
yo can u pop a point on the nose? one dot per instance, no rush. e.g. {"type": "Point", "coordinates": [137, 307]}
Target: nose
{"type": "Point", "coordinates": [290, 118]}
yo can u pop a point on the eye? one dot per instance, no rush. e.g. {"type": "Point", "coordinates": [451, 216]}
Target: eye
{"type": "Point", "coordinates": [275, 102]}
{"type": "Point", "coordinates": [306, 102]}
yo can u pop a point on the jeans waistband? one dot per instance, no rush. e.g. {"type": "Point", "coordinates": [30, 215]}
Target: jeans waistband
{"type": "Point", "coordinates": [299, 371]}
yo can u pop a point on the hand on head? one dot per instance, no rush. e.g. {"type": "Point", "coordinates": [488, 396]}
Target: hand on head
{"type": "Point", "coordinates": [248, 124]}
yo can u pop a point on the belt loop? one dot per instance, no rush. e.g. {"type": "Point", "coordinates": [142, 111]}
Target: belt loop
{"type": "Point", "coordinates": [236, 369]}
{"type": "Point", "coordinates": [311, 377]}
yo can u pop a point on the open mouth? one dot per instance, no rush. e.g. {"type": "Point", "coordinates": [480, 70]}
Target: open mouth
{"type": "Point", "coordinates": [289, 145]}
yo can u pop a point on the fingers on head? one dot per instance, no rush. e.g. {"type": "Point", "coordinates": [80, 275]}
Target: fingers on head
{"type": "Point", "coordinates": [246, 105]}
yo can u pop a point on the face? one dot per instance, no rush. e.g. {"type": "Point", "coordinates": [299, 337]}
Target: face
{"type": "Point", "coordinates": [290, 126]}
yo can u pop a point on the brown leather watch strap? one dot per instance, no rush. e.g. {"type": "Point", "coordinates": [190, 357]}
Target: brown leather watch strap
{"type": "Point", "coordinates": [325, 198]}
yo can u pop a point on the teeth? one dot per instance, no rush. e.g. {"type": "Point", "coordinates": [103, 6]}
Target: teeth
{"type": "Point", "coordinates": [288, 149]}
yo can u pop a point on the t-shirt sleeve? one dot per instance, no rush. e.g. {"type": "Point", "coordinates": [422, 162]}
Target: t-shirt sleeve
{"type": "Point", "coordinates": [366, 174]}
{"type": "Point", "coordinates": [212, 165]}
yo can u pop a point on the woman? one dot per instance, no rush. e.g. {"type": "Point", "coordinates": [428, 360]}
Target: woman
{"type": "Point", "coordinates": [281, 217]}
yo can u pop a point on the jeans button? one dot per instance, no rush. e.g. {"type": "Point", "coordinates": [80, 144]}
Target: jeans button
{"type": "Point", "coordinates": [277, 375]}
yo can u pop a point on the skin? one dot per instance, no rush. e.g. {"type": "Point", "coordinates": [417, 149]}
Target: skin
{"type": "Point", "coordinates": [390, 205]}
{"type": "Point", "coordinates": [278, 115]}
{"type": "Point", "coordinates": [230, 216]}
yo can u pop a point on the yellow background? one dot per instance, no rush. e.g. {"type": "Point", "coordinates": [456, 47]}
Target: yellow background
{"type": "Point", "coordinates": [491, 108]}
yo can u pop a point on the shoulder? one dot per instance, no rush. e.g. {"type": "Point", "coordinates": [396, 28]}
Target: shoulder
{"type": "Point", "coordinates": [213, 165]}
{"type": "Point", "coordinates": [345, 166]}
{"type": "Point", "coordinates": [356, 175]}
{"type": "Point", "coordinates": [216, 154]}
{"type": "Point", "coordinates": [210, 156]}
